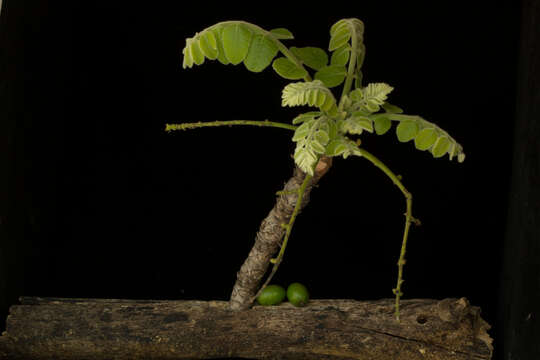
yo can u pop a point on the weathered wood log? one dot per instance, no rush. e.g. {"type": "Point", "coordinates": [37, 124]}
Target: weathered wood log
{"type": "Point", "coordinates": [91, 329]}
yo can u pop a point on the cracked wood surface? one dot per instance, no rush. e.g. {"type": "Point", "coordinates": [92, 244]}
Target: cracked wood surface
{"type": "Point", "coordinates": [45, 328]}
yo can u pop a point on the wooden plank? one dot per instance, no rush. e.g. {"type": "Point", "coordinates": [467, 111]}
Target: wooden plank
{"type": "Point", "coordinates": [56, 328]}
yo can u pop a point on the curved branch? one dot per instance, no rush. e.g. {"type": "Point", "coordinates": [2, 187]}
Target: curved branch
{"type": "Point", "coordinates": [408, 219]}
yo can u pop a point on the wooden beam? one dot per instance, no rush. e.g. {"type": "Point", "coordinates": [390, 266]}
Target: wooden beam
{"type": "Point", "coordinates": [92, 329]}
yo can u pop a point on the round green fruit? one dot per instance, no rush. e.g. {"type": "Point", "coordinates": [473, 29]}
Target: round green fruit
{"type": "Point", "coordinates": [297, 294]}
{"type": "Point", "coordinates": [271, 295]}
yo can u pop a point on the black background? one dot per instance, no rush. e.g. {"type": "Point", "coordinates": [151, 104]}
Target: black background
{"type": "Point", "coordinates": [98, 201]}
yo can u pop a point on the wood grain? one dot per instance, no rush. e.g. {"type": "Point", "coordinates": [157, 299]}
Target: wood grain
{"type": "Point", "coordinates": [46, 328]}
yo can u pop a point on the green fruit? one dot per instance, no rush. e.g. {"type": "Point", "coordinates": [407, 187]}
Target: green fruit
{"type": "Point", "coordinates": [271, 295]}
{"type": "Point", "coordinates": [297, 294]}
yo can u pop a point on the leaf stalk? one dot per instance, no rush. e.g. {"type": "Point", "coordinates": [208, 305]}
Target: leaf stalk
{"type": "Point", "coordinates": [351, 69]}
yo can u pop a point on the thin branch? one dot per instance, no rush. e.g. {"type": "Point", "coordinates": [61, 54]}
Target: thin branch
{"type": "Point", "coordinates": [408, 219]}
{"type": "Point", "coordinates": [194, 125]}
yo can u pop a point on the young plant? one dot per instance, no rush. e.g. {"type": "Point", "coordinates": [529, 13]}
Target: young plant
{"type": "Point", "coordinates": [331, 130]}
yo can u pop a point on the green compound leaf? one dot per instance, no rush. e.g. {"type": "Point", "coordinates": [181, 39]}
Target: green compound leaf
{"type": "Point", "coordinates": [236, 40]}
{"type": "Point", "coordinates": [314, 57]}
{"type": "Point", "coordinates": [332, 75]}
{"type": "Point", "coordinates": [233, 42]}
{"type": "Point", "coordinates": [261, 53]}
{"type": "Point", "coordinates": [282, 34]}
{"type": "Point", "coordinates": [305, 159]}
{"type": "Point", "coordinates": [370, 98]}
{"type": "Point", "coordinates": [376, 93]}
{"type": "Point", "coordinates": [287, 69]}
{"type": "Point", "coordinates": [425, 138]}
{"type": "Point", "coordinates": [407, 130]}
{"type": "Point", "coordinates": [343, 31]}
{"type": "Point", "coordinates": [312, 93]}
{"type": "Point", "coordinates": [311, 139]}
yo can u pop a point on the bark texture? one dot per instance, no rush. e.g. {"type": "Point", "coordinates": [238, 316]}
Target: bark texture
{"type": "Point", "coordinates": [90, 329]}
{"type": "Point", "coordinates": [270, 236]}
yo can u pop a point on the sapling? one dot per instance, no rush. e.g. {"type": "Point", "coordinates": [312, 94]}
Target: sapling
{"type": "Point", "coordinates": [331, 130]}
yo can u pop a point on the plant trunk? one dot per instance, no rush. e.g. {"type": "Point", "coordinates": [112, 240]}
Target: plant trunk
{"type": "Point", "coordinates": [270, 235]}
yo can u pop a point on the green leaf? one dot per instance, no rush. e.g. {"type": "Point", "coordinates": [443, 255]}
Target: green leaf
{"type": "Point", "coordinates": [332, 129]}
{"type": "Point", "coordinates": [208, 45]}
{"type": "Point", "coordinates": [376, 93]}
{"type": "Point", "coordinates": [317, 147]}
{"type": "Point", "coordinates": [371, 97]}
{"type": "Point", "coordinates": [341, 56]}
{"type": "Point", "coordinates": [440, 147]}
{"type": "Point", "coordinates": [406, 130]}
{"type": "Point", "coordinates": [260, 54]}
{"type": "Point", "coordinates": [314, 57]}
{"type": "Point", "coordinates": [306, 116]}
{"type": "Point", "coordinates": [188, 59]}
{"type": "Point", "coordinates": [336, 147]}
{"type": "Point", "coordinates": [221, 52]}
{"type": "Point", "coordinates": [425, 138]}
{"type": "Point", "coordinates": [455, 149]}
{"type": "Point", "coordinates": [332, 75]}
{"type": "Point", "coordinates": [392, 109]}
{"type": "Point", "coordinates": [356, 124]}
{"type": "Point", "coordinates": [371, 105]}
{"type": "Point", "coordinates": [339, 39]}
{"type": "Point", "coordinates": [236, 39]}
{"type": "Point", "coordinates": [302, 131]}
{"type": "Point", "coordinates": [312, 93]}
{"type": "Point", "coordinates": [287, 69]}
{"type": "Point", "coordinates": [341, 146]}
{"type": "Point", "coordinates": [282, 34]}
{"type": "Point", "coordinates": [382, 124]}
{"type": "Point", "coordinates": [311, 138]}
{"type": "Point", "coordinates": [356, 95]}
{"type": "Point", "coordinates": [305, 158]}
{"type": "Point", "coordinates": [340, 34]}
{"type": "Point", "coordinates": [322, 137]}
{"type": "Point", "coordinates": [196, 53]}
